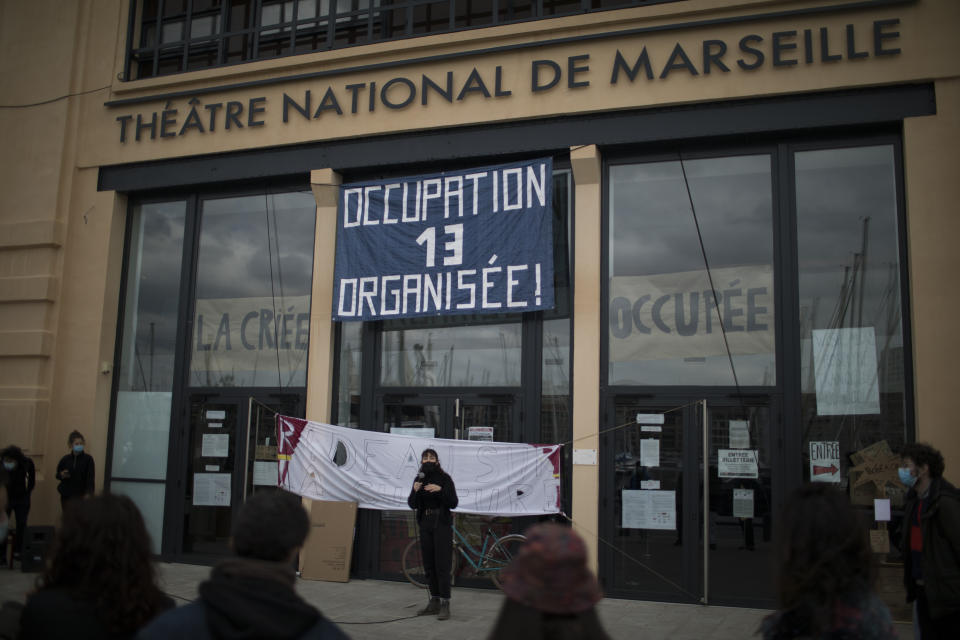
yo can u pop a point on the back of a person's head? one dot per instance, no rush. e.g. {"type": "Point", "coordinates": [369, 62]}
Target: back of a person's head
{"type": "Point", "coordinates": [824, 549]}
{"type": "Point", "coordinates": [102, 554]}
{"type": "Point", "coordinates": [270, 526]}
{"type": "Point", "coordinates": [551, 592]}
{"type": "Point", "coordinates": [923, 454]}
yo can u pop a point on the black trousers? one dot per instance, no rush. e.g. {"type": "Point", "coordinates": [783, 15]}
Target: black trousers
{"type": "Point", "coordinates": [436, 547]}
{"type": "Point", "coordinates": [934, 628]}
{"type": "Point", "coordinates": [20, 511]}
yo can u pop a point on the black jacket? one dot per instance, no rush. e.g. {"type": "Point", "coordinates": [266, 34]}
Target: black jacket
{"type": "Point", "coordinates": [940, 530]}
{"type": "Point", "coordinates": [20, 482]}
{"type": "Point", "coordinates": [445, 499]}
{"type": "Point", "coordinates": [245, 598]}
{"type": "Point", "coordinates": [82, 474]}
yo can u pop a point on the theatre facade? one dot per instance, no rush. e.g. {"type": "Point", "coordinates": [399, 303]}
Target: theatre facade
{"type": "Point", "coordinates": [751, 212]}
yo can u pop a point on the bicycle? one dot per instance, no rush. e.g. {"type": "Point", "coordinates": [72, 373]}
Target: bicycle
{"type": "Point", "coordinates": [494, 554]}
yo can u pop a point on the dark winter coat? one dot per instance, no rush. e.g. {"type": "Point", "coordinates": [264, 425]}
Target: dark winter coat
{"type": "Point", "coordinates": [940, 530]}
{"type": "Point", "coordinates": [445, 499]}
{"type": "Point", "coordinates": [245, 598]}
{"type": "Point", "coordinates": [56, 613]}
{"type": "Point", "coordinates": [82, 475]}
{"type": "Point", "coordinates": [20, 482]}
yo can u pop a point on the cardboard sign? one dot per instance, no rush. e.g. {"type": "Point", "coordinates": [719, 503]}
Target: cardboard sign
{"type": "Point", "coordinates": [327, 552]}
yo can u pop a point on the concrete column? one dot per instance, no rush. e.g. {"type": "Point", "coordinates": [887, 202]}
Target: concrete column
{"type": "Point", "coordinates": [586, 340]}
{"type": "Point", "coordinates": [931, 154]}
{"type": "Point", "coordinates": [326, 189]}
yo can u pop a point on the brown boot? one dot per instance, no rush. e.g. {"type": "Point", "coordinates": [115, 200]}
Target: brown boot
{"type": "Point", "coordinates": [444, 612]}
{"type": "Point", "coordinates": [433, 607]}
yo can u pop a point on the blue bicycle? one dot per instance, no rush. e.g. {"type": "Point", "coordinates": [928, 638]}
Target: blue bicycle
{"type": "Point", "coordinates": [493, 553]}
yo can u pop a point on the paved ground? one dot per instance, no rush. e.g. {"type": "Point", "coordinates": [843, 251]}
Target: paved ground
{"type": "Point", "coordinates": [375, 609]}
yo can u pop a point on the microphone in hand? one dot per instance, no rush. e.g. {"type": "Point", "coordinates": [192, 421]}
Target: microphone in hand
{"type": "Point", "coordinates": [421, 475]}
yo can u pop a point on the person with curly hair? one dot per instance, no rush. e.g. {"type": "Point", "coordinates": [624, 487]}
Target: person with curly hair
{"type": "Point", "coordinates": [930, 542]}
{"type": "Point", "coordinates": [826, 572]}
{"type": "Point", "coordinates": [100, 580]}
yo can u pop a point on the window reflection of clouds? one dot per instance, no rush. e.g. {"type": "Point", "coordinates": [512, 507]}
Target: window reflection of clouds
{"type": "Point", "coordinates": [837, 190]}
{"type": "Point", "coordinates": [652, 231]}
{"type": "Point", "coordinates": [255, 247]}
{"type": "Point", "coordinates": [841, 193]}
{"type": "Point", "coordinates": [153, 292]}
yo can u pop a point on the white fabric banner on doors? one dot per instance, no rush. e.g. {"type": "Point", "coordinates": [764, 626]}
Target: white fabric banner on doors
{"type": "Point", "coordinates": [377, 470]}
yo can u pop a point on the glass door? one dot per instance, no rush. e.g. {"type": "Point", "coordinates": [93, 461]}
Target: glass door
{"type": "Point", "coordinates": [484, 417]}
{"type": "Point", "coordinates": [216, 426]}
{"type": "Point", "coordinates": [675, 533]}
{"type": "Point", "coordinates": [232, 454]}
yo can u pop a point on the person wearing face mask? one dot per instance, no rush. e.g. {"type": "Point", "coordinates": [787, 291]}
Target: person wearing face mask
{"type": "Point", "coordinates": [433, 496]}
{"type": "Point", "coordinates": [21, 478]}
{"type": "Point", "coordinates": [75, 471]}
{"type": "Point", "coordinates": [930, 542]}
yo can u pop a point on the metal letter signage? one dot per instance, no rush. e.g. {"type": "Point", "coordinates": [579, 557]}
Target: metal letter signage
{"type": "Point", "coordinates": [463, 242]}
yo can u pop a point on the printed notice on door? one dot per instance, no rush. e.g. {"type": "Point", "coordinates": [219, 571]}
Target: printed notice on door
{"type": "Point", "coordinates": [737, 463]}
{"type": "Point", "coordinates": [649, 509]}
{"type": "Point", "coordinates": [743, 503]}
{"type": "Point", "coordinates": [211, 489]}
{"type": "Point", "coordinates": [215, 445]}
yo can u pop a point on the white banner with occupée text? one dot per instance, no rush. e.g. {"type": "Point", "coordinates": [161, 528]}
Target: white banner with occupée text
{"type": "Point", "coordinates": [377, 470]}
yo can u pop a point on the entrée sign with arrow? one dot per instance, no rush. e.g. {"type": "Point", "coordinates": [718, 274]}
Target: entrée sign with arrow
{"type": "Point", "coordinates": [825, 461]}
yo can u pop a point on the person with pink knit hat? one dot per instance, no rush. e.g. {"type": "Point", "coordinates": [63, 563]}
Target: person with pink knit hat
{"type": "Point", "coordinates": [551, 592]}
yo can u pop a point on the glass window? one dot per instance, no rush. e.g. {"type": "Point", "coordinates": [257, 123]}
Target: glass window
{"type": "Point", "coordinates": [148, 496]}
{"type": "Point", "coordinates": [148, 341]}
{"type": "Point", "coordinates": [851, 332]}
{"type": "Point", "coordinates": [665, 320]}
{"type": "Point", "coordinates": [350, 370]}
{"type": "Point", "coordinates": [479, 355]}
{"type": "Point", "coordinates": [252, 307]}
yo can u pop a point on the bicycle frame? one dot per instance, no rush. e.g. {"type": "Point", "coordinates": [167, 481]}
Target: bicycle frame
{"type": "Point", "coordinates": [469, 552]}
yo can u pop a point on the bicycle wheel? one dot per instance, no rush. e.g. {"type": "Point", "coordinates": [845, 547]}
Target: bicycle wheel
{"type": "Point", "coordinates": [501, 554]}
{"type": "Point", "coordinates": [413, 565]}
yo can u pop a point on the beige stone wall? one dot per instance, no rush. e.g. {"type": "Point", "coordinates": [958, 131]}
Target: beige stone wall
{"type": "Point", "coordinates": [931, 167]}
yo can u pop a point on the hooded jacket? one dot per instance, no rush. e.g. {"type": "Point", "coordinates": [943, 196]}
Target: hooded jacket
{"type": "Point", "coordinates": [940, 530]}
{"type": "Point", "coordinates": [245, 598]}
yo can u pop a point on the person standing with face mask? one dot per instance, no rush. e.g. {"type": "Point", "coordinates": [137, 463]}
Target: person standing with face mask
{"type": "Point", "coordinates": [75, 471]}
{"type": "Point", "coordinates": [433, 496]}
{"type": "Point", "coordinates": [21, 478]}
{"type": "Point", "coordinates": [930, 542]}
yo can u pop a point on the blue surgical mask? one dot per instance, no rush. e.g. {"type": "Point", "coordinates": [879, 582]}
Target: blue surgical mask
{"type": "Point", "coordinates": [9, 466]}
{"type": "Point", "coordinates": [78, 448]}
{"type": "Point", "coordinates": [906, 477]}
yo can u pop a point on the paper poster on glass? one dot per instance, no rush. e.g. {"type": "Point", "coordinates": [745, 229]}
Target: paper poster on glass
{"type": "Point", "coordinates": [737, 463]}
{"type": "Point", "coordinates": [215, 445]}
{"type": "Point", "coordinates": [211, 489]}
{"type": "Point", "coordinates": [650, 452]}
{"type": "Point", "coordinates": [648, 509]}
{"type": "Point", "coordinates": [265, 473]}
{"type": "Point", "coordinates": [845, 369]}
{"type": "Point", "coordinates": [825, 461]}
{"type": "Point", "coordinates": [743, 503]}
{"type": "Point", "coordinates": [739, 434]}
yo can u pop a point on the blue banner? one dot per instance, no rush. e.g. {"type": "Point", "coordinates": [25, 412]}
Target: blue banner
{"type": "Point", "coordinates": [463, 242]}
